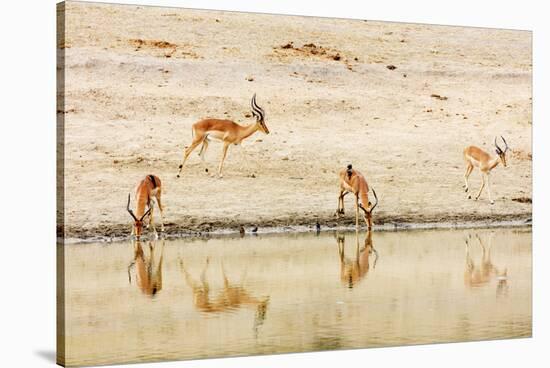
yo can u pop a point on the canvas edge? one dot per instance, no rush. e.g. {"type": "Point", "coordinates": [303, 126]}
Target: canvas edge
{"type": "Point", "coordinates": [60, 184]}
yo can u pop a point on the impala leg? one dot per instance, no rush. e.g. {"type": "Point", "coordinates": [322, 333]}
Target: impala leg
{"type": "Point", "coordinates": [203, 273]}
{"type": "Point", "coordinates": [161, 212]}
{"type": "Point", "coordinates": [188, 279]}
{"type": "Point", "coordinates": [224, 154]}
{"type": "Point", "coordinates": [482, 185]}
{"type": "Point", "coordinates": [202, 153]}
{"type": "Point", "coordinates": [244, 158]}
{"type": "Point", "coordinates": [489, 188]}
{"type": "Point", "coordinates": [151, 220]}
{"type": "Point", "coordinates": [356, 213]}
{"type": "Point", "coordinates": [340, 210]}
{"type": "Point", "coordinates": [469, 169]}
{"type": "Point", "coordinates": [225, 279]}
{"type": "Point", "coordinates": [357, 252]}
{"type": "Point", "coordinates": [341, 246]}
{"type": "Point", "coordinates": [469, 261]}
{"type": "Point", "coordinates": [188, 151]}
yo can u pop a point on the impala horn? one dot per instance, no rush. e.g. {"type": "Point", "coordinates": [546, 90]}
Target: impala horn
{"type": "Point", "coordinates": [257, 111]}
{"type": "Point", "coordinates": [146, 213]}
{"type": "Point", "coordinates": [499, 150]}
{"type": "Point", "coordinates": [504, 140]}
{"type": "Point", "coordinates": [369, 210]}
{"type": "Point", "coordinates": [129, 210]}
{"type": "Point", "coordinates": [375, 197]}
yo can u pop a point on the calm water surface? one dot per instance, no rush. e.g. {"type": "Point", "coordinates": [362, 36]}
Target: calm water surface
{"type": "Point", "coordinates": [193, 298]}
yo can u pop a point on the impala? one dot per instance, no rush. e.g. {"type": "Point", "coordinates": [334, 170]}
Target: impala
{"type": "Point", "coordinates": [476, 157]}
{"type": "Point", "coordinates": [353, 271]}
{"type": "Point", "coordinates": [352, 181]}
{"type": "Point", "coordinates": [226, 131]}
{"type": "Point", "coordinates": [148, 269]}
{"type": "Point", "coordinates": [148, 191]}
{"type": "Point", "coordinates": [231, 297]}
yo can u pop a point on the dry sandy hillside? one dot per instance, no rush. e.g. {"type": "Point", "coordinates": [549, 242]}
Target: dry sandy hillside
{"type": "Point", "coordinates": [399, 101]}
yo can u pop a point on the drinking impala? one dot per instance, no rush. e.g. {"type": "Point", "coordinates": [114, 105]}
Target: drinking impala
{"type": "Point", "coordinates": [148, 191]}
{"type": "Point", "coordinates": [352, 181]}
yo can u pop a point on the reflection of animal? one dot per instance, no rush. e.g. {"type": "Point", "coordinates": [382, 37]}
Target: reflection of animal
{"type": "Point", "coordinates": [148, 269]}
{"type": "Point", "coordinates": [352, 181]}
{"type": "Point", "coordinates": [480, 275]}
{"type": "Point", "coordinates": [353, 271]}
{"type": "Point", "coordinates": [231, 297]}
{"type": "Point", "coordinates": [226, 131]}
{"type": "Point", "coordinates": [148, 190]}
{"type": "Point", "coordinates": [476, 157]}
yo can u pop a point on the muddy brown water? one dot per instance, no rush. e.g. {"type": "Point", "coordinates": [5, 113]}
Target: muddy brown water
{"type": "Point", "coordinates": [227, 296]}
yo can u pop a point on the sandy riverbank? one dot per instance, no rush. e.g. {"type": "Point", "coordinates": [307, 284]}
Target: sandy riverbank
{"type": "Point", "coordinates": [137, 78]}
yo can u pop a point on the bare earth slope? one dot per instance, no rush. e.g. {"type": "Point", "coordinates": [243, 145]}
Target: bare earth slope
{"type": "Point", "coordinates": [137, 78]}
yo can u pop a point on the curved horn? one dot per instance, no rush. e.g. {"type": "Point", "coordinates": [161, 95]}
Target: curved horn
{"type": "Point", "coordinates": [369, 210]}
{"type": "Point", "coordinates": [504, 140]}
{"type": "Point", "coordinates": [129, 210]}
{"type": "Point", "coordinates": [146, 213]}
{"type": "Point", "coordinates": [496, 145]}
{"type": "Point", "coordinates": [375, 197]}
{"type": "Point", "coordinates": [257, 111]}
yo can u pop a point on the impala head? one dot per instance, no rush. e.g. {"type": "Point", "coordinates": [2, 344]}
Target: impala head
{"type": "Point", "coordinates": [138, 223]}
{"type": "Point", "coordinates": [259, 114]}
{"type": "Point", "coordinates": [368, 211]}
{"type": "Point", "coordinates": [500, 152]}
{"type": "Point", "coordinates": [349, 171]}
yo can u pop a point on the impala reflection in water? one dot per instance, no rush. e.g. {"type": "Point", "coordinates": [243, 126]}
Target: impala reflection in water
{"type": "Point", "coordinates": [148, 269]}
{"type": "Point", "coordinates": [227, 296]}
{"type": "Point", "coordinates": [230, 297]}
{"type": "Point", "coordinates": [354, 270]}
{"type": "Point", "coordinates": [482, 273]}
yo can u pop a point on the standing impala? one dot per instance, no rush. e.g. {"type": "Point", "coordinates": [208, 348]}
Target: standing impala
{"type": "Point", "coordinates": [226, 131]}
{"type": "Point", "coordinates": [147, 191]}
{"type": "Point", "coordinates": [475, 156]}
{"type": "Point", "coordinates": [352, 181]}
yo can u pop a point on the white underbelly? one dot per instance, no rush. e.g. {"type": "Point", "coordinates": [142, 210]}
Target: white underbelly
{"type": "Point", "coordinates": [215, 134]}
{"type": "Point", "coordinates": [474, 162]}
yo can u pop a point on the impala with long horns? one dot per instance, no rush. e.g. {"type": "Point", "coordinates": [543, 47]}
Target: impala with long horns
{"type": "Point", "coordinates": [476, 157]}
{"type": "Point", "coordinates": [226, 131]}
{"type": "Point", "coordinates": [352, 181]}
{"type": "Point", "coordinates": [148, 191]}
